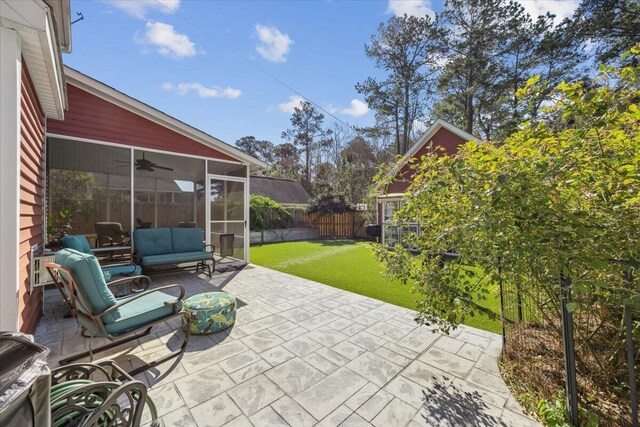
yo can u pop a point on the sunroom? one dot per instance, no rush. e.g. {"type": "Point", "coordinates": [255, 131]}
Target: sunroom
{"type": "Point", "coordinates": [114, 165]}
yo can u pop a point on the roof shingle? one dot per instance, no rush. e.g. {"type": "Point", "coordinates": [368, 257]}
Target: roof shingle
{"type": "Point", "coordinates": [283, 191]}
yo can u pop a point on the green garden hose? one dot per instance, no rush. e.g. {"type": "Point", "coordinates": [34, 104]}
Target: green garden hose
{"type": "Point", "coordinates": [59, 392]}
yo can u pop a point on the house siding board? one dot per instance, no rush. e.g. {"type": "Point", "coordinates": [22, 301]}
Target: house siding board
{"type": "Point", "coordinates": [443, 138]}
{"type": "Point", "coordinates": [32, 137]}
{"type": "Point", "coordinates": [91, 117]}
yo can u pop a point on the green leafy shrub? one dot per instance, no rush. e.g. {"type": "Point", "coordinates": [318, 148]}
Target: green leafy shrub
{"type": "Point", "coordinates": [553, 414]}
{"type": "Point", "coordinates": [266, 213]}
{"type": "Point", "coordinates": [560, 194]}
{"type": "Point", "coordinates": [330, 204]}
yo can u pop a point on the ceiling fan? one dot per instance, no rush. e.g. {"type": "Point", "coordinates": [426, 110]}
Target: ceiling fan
{"type": "Point", "coordinates": [146, 165]}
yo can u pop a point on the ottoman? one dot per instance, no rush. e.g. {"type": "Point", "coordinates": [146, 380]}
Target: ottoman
{"type": "Point", "coordinates": [209, 312]}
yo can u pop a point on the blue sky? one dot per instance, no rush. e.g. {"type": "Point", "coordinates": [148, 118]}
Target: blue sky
{"type": "Point", "coordinates": [200, 61]}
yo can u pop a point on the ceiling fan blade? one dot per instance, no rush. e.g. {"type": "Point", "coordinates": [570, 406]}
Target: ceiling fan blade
{"type": "Point", "coordinates": [162, 167]}
{"type": "Point", "coordinates": [122, 161]}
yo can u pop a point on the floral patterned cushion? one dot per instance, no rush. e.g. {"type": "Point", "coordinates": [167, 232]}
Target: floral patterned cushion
{"type": "Point", "coordinates": [209, 312]}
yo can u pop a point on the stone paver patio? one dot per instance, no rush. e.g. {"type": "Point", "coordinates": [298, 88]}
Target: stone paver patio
{"type": "Point", "coordinates": [302, 354]}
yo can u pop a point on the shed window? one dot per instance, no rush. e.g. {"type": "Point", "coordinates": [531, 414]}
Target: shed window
{"type": "Point", "coordinates": [394, 232]}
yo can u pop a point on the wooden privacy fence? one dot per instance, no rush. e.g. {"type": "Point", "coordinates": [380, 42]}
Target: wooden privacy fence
{"type": "Point", "coordinates": [347, 225]}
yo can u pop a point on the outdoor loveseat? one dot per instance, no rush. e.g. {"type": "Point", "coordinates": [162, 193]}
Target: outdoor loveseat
{"type": "Point", "coordinates": [155, 247]}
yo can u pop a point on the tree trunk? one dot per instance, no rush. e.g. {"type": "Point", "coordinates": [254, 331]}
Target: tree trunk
{"type": "Point", "coordinates": [405, 122]}
{"type": "Point", "coordinates": [397, 120]}
{"type": "Point", "coordinates": [308, 165]}
{"type": "Point", "coordinates": [469, 114]}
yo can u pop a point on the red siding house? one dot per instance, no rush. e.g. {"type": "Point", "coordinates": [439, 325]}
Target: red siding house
{"type": "Point", "coordinates": [80, 156]}
{"type": "Point", "coordinates": [33, 34]}
{"type": "Point", "coordinates": [441, 135]}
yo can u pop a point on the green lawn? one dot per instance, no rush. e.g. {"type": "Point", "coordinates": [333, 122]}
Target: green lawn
{"type": "Point", "coordinates": [350, 266]}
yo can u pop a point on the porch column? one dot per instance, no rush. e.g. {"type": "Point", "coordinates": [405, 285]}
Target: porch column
{"type": "Point", "coordinates": [10, 82]}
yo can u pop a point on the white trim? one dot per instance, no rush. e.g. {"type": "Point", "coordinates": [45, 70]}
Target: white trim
{"type": "Point", "coordinates": [10, 111]}
{"type": "Point", "coordinates": [227, 177]}
{"type": "Point", "coordinates": [53, 64]}
{"type": "Point", "coordinates": [33, 21]}
{"type": "Point", "coordinates": [122, 100]}
{"type": "Point", "coordinates": [207, 204]}
{"type": "Point", "coordinates": [132, 198]}
{"type": "Point", "coordinates": [247, 217]}
{"type": "Point", "coordinates": [424, 138]}
{"type": "Point", "coordinates": [391, 196]}
{"type": "Point", "coordinates": [245, 221]}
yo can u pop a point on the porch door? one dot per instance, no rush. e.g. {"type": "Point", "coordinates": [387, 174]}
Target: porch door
{"type": "Point", "coordinates": [228, 216]}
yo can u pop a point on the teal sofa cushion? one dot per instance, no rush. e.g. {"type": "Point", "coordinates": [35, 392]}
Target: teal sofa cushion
{"type": "Point", "coordinates": [141, 312]}
{"type": "Point", "coordinates": [187, 239]}
{"type": "Point", "coordinates": [89, 278]}
{"type": "Point", "coordinates": [78, 243]}
{"type": "Point", "coordinates": [177, 258]}
{"type": "Point", "coordinates": [152, 241]}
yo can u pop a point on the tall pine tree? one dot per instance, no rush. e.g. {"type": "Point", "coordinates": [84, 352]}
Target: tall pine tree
{"type": "Point", "coordinates": [406, 48]}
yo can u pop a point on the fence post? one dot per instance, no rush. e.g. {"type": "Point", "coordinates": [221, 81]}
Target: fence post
{"type": "Point", "coordinates": [353, 224]}
{"type": "Point", "coordinates": [628, 321]}
{"type": "Point", "coordinates": [566, 316]}
{"type": "Point", "coordinates": [504, 329]}
{"type": "Point", "coordinates": [519, 302]}
{"type": "Point", "coordinates": [333, 226]}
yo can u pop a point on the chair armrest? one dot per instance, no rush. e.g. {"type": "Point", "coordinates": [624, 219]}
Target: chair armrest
{"type": "Point", "coordinates": [117, 264]}
{"type": "Point", "coordinates": [105, 239]}
{"type": "Point", "coordinates": [129, 285]}
{"type": "Point", "coordinates": [140, 295]}
{"type": "Point", "coordinates": [213, 247]}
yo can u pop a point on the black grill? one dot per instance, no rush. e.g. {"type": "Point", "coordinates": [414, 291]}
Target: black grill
{"type": "Point", "coordinates": [374, 230]}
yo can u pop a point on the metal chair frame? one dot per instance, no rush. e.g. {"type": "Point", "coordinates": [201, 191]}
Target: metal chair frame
{"type": "Point", "coordinates": [74, 293]}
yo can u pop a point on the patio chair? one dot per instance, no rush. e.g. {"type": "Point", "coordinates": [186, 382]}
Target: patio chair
{"type": "Point", "coordinates": [111, 272]}
{"type": "Point", "coordinates": [111, 234]}
{"type": "Point", "coordinates": [101, 314]}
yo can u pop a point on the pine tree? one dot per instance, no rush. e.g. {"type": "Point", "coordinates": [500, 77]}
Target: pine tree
{"type": "Point", "coordinates": [308, 133]}
{"type": "Point", "coordinates": [406, 49]}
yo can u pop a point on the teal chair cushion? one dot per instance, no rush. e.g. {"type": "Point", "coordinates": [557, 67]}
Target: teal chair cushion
{"type": "Point", "coordinates": [125, 270]}
{"type": "Point", "coordinates": [143, 311]}
{"type": "Point", "coordinates": [152, 241]}
{"type": "Point", "coordinates": [78, 242]}
{"type": "Point", "coordinates": [90, 280]}
{"type": "Point", "coordinates": [177, 258]}
{"type": "Point", "coordinates": [187, 239]}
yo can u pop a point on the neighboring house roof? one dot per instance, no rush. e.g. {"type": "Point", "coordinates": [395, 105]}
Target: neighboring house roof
{"type": "Point", "coordinates": [425, 139]}
{"type": "Point", "coordinates": [283, 191]}
{"type": "Point", "coordinates": [135, 106]}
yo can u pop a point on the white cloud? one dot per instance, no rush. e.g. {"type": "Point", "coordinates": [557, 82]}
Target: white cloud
{"type": "Point", "coordinates": [419, 126]}
{"type": "Point", "coordinates": [331, 108]}
{"type": "Point", "coordinates": [140, 8]}
{"type": "Point", "coordinates": [358, 108]}
{"type": "Point", "coordinates": [203, 91]}
{"type": "Point", "coordinates": [168, 42]}
{"type": "Point", "coordinates": [294, 102]}
{"type": "Point", "coordinates": [274, 45]}
{"type": "Point", "coordinates": [561, 8]}
{"type": "Point", "coordinates": [417, 8]}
